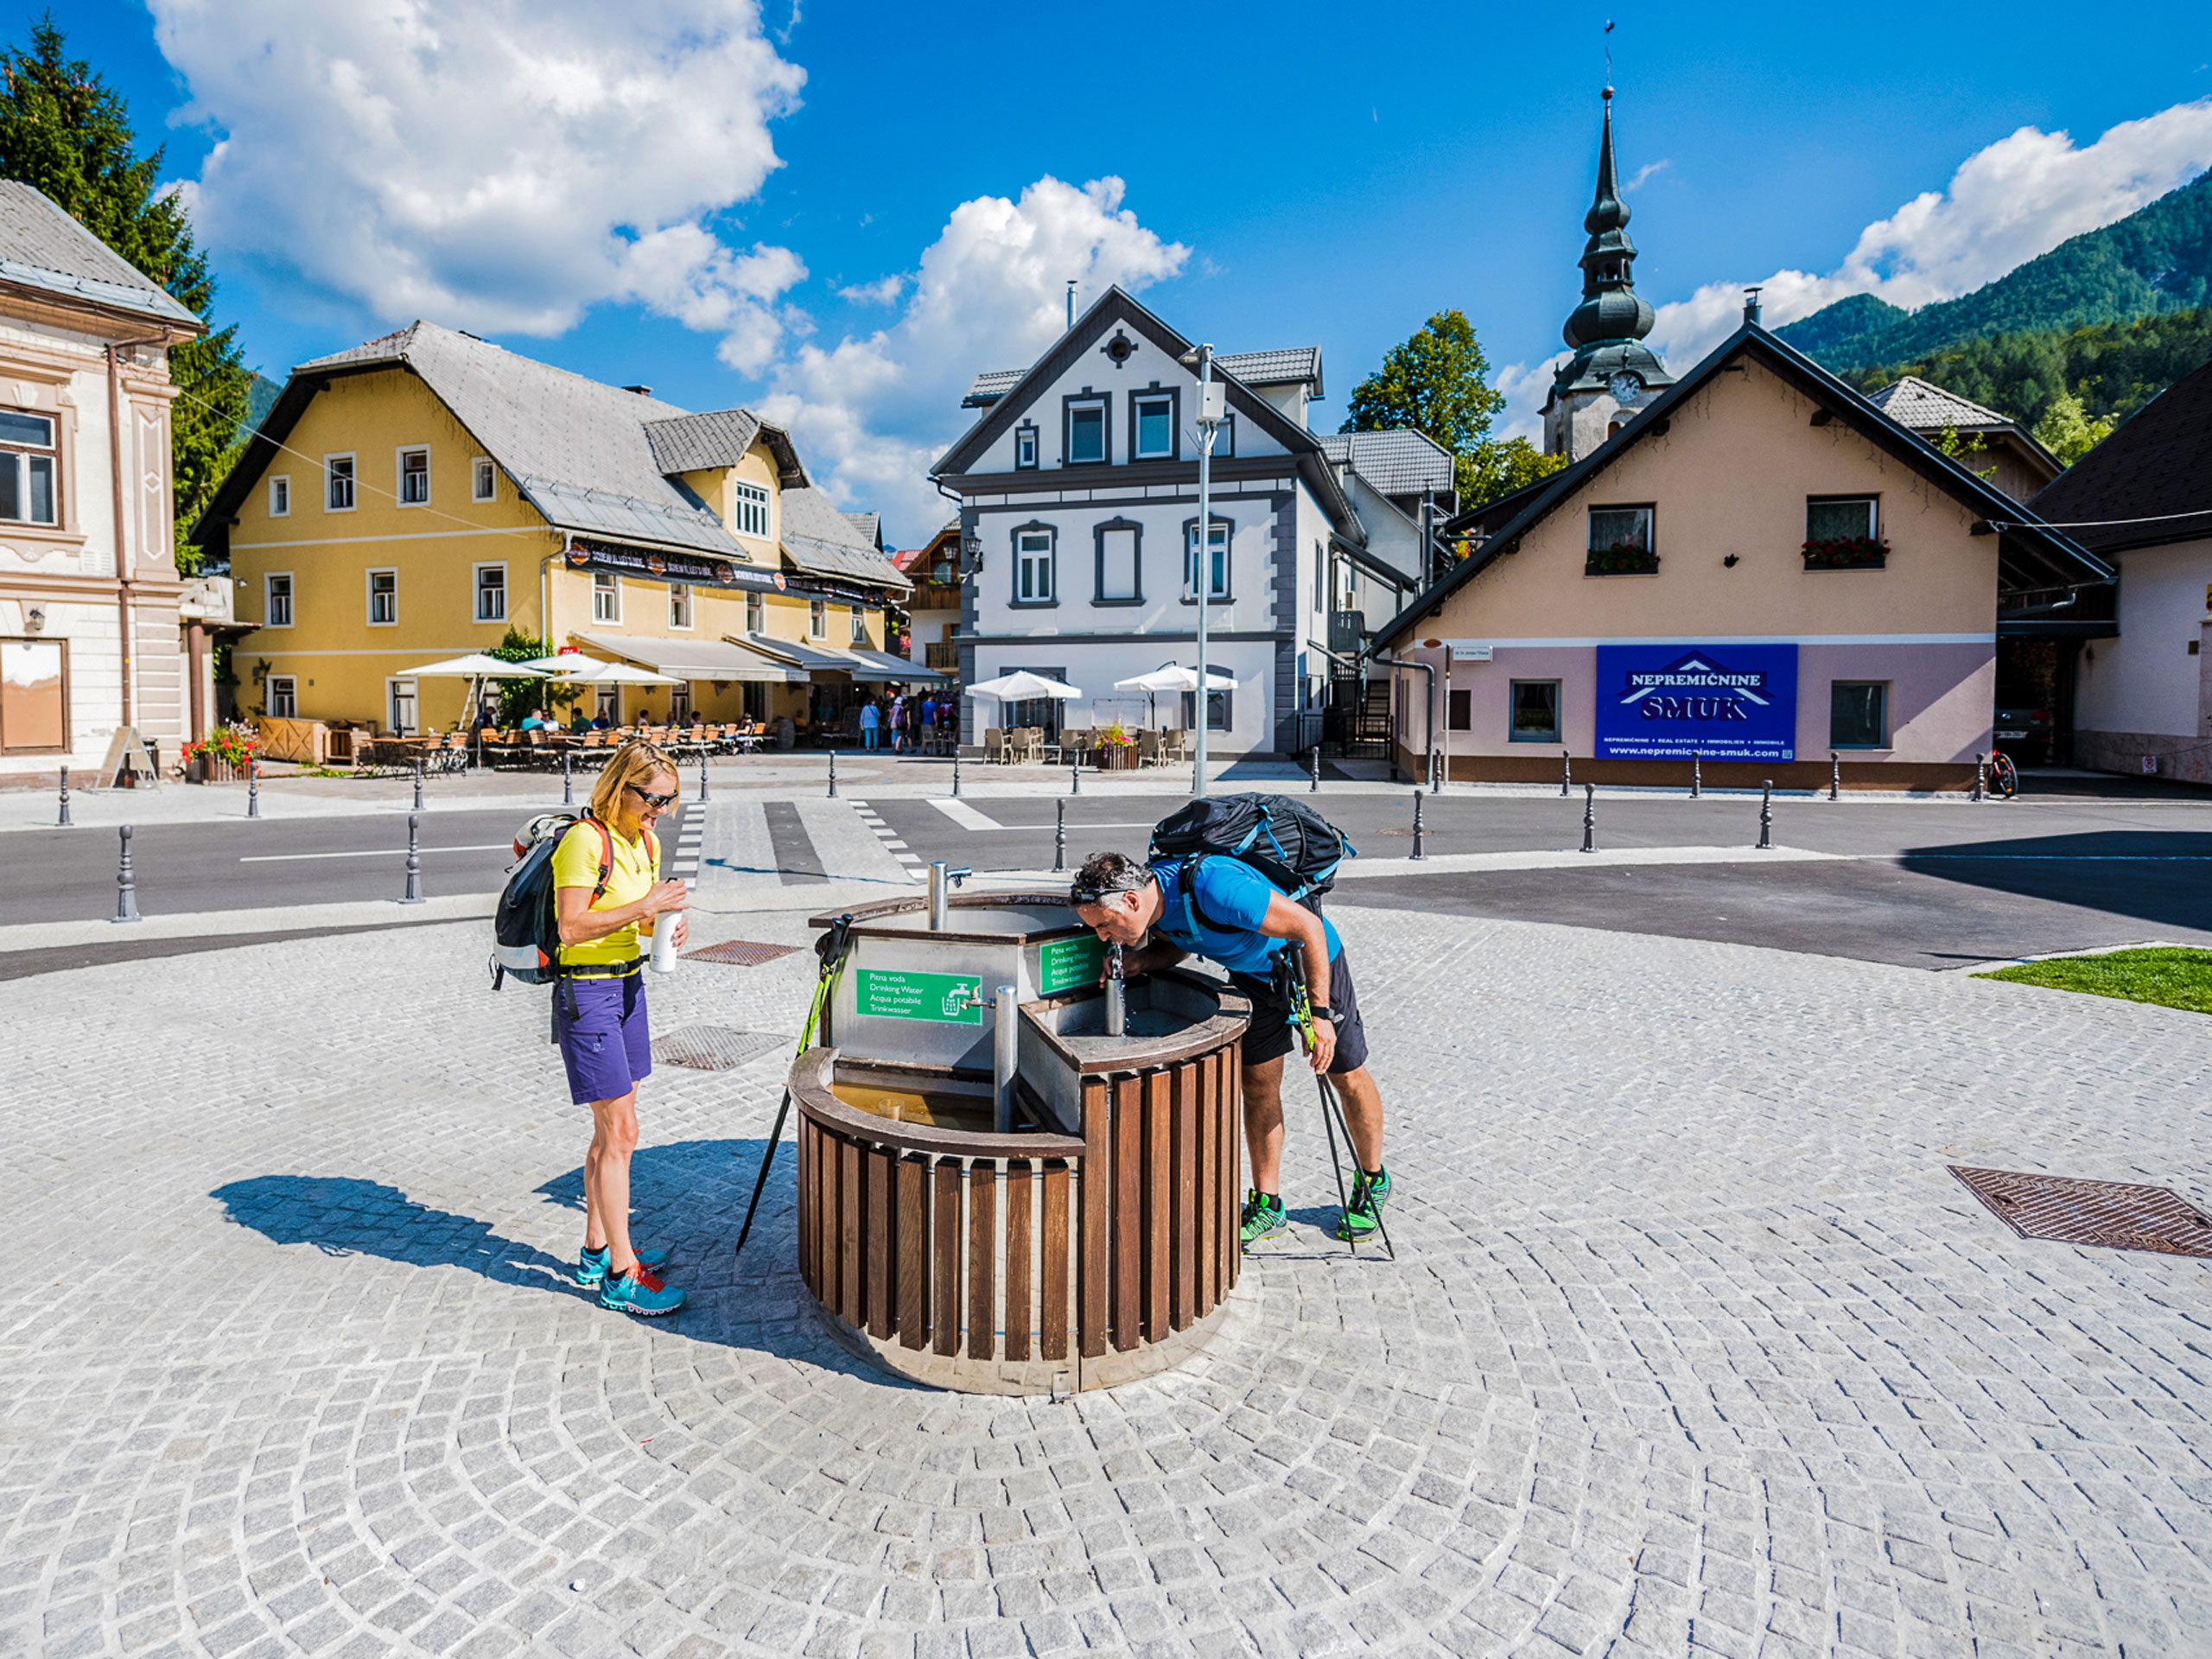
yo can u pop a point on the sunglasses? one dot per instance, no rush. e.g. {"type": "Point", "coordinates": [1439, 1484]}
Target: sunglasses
{"type": "Point", "coordinates": [649, 797]}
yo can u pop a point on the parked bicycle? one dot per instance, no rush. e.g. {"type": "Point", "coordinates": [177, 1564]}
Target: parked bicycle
{"type": "Point", "coordinates": [2004, 776]}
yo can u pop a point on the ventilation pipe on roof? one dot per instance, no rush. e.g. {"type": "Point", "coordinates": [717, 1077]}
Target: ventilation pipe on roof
{"type": "Point", "coordinates": [1752, 307]}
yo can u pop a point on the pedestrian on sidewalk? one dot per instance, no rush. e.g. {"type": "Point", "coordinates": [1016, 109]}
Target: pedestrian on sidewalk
{"type": "Point", "coordinates": [1225, 910]}
{"type": "Point", "coordinates": [899, 724]}
{"type": "Point", "coordinates": [870, 719]}
{"type": "Point", "coordinates": [603, 877]}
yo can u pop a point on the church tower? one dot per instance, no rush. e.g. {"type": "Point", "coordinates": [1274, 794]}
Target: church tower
{"type": "Point", "coordinates": [1613, 373]}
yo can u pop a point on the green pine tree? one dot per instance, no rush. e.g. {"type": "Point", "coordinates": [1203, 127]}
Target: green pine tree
{"type": "Point", "coordinates": [65, 131]}
{"type": "Point", "coordinates": [2067, 431]}
{"type": "Point", "coordinates": [1438, 383]}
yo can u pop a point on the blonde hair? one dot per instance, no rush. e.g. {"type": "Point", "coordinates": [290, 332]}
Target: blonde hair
{"type": "Point", "coordinates": [635, 762]}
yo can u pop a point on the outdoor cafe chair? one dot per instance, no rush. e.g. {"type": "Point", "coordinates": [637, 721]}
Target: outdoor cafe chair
{"type": "Point", "coordinates": [1147, 748]}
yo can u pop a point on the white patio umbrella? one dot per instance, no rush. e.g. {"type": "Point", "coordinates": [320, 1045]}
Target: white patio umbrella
{"type": "Point", "coordinates": [599, 673]}
{"type": "Point", "coordinates": [1173, 677]}
{"type": "Point", "coordinates": [477, 668]}
{"type": "Point", "coordinates": [1021, 686]}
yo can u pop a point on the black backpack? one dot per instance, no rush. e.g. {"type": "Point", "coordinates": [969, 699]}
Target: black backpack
{"type": "Point", "coordinates": [1291, 844]}
{"type": "Point", "coordinates": [526, 927]}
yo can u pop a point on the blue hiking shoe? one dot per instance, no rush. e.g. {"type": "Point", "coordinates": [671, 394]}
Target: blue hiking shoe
{"type": "Point", "coordinates": [1363, 1215]}
{"type": "Point", "coordinates": [640, 1292]}
{"type": "Point", "coordinates": [591, 1265]}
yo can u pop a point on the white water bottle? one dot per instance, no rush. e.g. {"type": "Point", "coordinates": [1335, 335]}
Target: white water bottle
{"type": "Point", "coordinates": [664, 957]}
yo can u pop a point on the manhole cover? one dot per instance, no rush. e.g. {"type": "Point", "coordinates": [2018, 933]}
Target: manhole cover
{"type": "Point", "coordinates": [739, 953]}
{"type": "Point", "coordinates": [714, 1048]}
{"type": "Point", "coordinates": [2112, 1213]}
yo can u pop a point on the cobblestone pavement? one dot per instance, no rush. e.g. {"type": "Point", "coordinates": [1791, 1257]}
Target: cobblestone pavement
{"type": "Point", "coordinates": [1691, 1342]}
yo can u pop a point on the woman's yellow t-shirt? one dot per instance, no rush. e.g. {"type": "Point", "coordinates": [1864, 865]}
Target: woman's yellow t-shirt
{"type": "Point", "coordinates": [575, 864]}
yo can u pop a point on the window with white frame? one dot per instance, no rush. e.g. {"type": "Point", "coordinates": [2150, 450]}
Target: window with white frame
{"type": "Point", "coordinates": [491, 593]}
{"type": "Point", "coordinates": [383, 598]}
{"type": "Point", "coordinates": [1086, 438]}
{"type": "Point", "coordinates": [679, 603]}
{"type": "Point", "coordinates": [28, 457]}
{"type": "Point", "coordinates": [1118, 572]}
{"type": "Point", "coordinates": [338, 483]}
{"type": "Point", "coordinates": [483, 479]}
{"type": "Point", "coordinates": [606, 597]}
{"type": "Point", "coordinates": [1153, 435]}
{"type": "Point", "coordinates": [1216, 562]}
{"type": "Point", "coordinates": [414, 476]}
{"type": "Point", "coordinates": [283, 697]}
{"type": "Point", "coordinates": [756, 614]}
{"type": "Point", "coordinates": [752, 509]}
{"type": "Point", "coordinates": [400, 697]}
{"type": "Point", "coordinates": [1025, 448]}
{"type": "Point", "coordinates": [280, 496]}
{"type": "Point", "coordinates": [679, 705]}
{"type": "Point", "coordinates": [818, 619]}
{"type": "Point", "coordinates": [276, 600]}
{"type": "Point", "coordinates": [860, 626]}
{"type": "Point", "coordinates": [1032, 567]}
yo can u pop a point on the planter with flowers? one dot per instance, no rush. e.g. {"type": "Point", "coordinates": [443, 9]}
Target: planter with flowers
{"type": "Point", "coordinates": [1622, 559]}
{"type": "Point", "coordinates": [1117, 750]}
{"type": "Point", "coordinates": [226, 757]}
{"type": "Point", "coordinates": [1847, 553]}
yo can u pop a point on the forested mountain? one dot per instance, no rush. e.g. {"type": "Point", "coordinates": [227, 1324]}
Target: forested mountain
{"type": "Point", "coordinates": [2157, 259]}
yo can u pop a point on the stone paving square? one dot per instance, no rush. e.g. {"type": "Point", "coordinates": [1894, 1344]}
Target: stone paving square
{"type": "Point", "coordinates": [1692, 1343]}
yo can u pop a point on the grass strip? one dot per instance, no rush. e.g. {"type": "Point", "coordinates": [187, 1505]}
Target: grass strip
{"type": "Point", "coordinates": [2169, 975]}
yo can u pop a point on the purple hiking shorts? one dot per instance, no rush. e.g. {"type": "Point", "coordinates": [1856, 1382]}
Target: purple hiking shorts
{"type": "Point", "coordinates": [606, 1047]}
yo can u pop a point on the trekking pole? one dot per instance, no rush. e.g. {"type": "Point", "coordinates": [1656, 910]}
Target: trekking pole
{"type": "Point", "coordinates": [833, 946]}
{"type": "Point", "coordinates": [62, 823]}
{"type": "Point", "coordinates": [1331, 1100]}
{"type": "Point", "coordinates": [1301, 1014]}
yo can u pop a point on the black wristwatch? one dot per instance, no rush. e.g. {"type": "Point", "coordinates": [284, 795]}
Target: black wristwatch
{"type": "Point", "coordinates": [1323, 1011]}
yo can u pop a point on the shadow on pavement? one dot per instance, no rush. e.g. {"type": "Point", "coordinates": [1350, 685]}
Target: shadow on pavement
{"type": "Point", "coordinates": [2159, 876]}
{"type": "Point", "coordinates": [346, 1216]}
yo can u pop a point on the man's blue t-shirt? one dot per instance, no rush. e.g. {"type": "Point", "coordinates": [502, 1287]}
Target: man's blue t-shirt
{"type": "Point", "coordinates": [1224, 925]}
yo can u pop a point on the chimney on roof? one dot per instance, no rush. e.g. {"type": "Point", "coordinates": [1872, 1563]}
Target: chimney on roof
{"type": "Point", "coordinates": [642, 391]}
{"type": "Point", "coordinates": [1752, 307]}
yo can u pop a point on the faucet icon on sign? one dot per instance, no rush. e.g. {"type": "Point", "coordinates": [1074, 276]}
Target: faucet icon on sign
{"type": "Point", "coordinates": [962, 998]}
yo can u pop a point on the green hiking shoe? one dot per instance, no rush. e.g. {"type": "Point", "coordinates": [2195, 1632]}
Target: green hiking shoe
{"type": "Point", "coordinates": [1365, 1214]}
{"type": "Point", "coordinates": [1263, 1218]}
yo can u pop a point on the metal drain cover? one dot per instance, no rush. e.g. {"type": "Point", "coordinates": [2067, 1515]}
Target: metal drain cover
{"type": "Point", "coordinates": [739, 953]}
{"type": "Point", "coordinates": [2115, 1214]}
{"type": "Point", "coordinates": [714, 1048]}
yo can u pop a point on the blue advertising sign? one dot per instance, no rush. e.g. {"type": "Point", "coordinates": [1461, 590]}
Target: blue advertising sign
{"type": "Point", "coordinates": [1726, 702]}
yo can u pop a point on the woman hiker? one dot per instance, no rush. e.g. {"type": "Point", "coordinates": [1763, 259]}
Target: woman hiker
{"type": "Point", "coordinates": [604, 886]}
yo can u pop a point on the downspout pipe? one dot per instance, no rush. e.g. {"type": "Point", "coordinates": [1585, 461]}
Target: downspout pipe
{"type": "Point", "coordinates": [115, 349]}
{"type": "Point", "coordinates": [1429, 669]}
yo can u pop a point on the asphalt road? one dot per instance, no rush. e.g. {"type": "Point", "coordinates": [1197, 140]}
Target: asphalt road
{"type": "Point", "coordinates": [1925, 884]}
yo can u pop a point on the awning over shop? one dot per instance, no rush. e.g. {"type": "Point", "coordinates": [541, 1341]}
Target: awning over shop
{"type": "Point", "coordinates": [812, 657]}
{"type": "Point", "coordinates": [882, 665]}
{"type": "Point", "coordinates": [696, 659]}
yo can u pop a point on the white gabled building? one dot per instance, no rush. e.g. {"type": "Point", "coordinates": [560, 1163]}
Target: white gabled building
{"type": "Point", "coordinates": [1079, 515]}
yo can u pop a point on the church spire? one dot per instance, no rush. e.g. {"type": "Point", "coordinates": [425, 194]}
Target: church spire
{"type": "Point", "coordinates": [1611, 308]}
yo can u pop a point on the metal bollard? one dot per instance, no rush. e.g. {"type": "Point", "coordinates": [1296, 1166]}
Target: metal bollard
{"type": "Point", "coordinates": [418, 785]}
{"type": "Point", "coordinates": [1075, 777]}
{"type": "Point", "coordinates": [1766, 816]}
{"type": "Point", "coordinates": [1059, 834]}
{"type": "Point", "coordinates": [253, 786]}
{"type": "Point", "coordinates": [1418, 852]}
{"type": "Point", "coordinates": [833, 774]}
{"type": "Point", "coordinates": [1835, 777]}
{"type": "Point", "coordinates": [1981, 775]}
{"type": "Point", "coordinates": [1589, 817]}
{"type": "Point", "coordinates": [956, 771]}
{"type": "Point", "coordinates": [414, 894]}
{"type": "Point", "coordinates": [568, 784]}
{"type": "Point", "coordinates": [1565, 773]}
{"type": "Point", "coordinates": [1697, 774]}
{"type": "Point", "coordinates": [1314, 786]}
{"type": "Point", "coordinates": [62, 823]}
{"type": "Point", "coordinates": [126, 885]}
{"type": "Point", "coordinates": [702, 777]}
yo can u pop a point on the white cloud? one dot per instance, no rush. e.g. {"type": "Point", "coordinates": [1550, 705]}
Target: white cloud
{"type": "Point", "coordinates": [495, 168]}
{"type": "Point", "coordinates": [882, 291]}
{"type": "Point", "coordinates": [1649, 171]}
{"type": "Point", "coordinates": [2018, 198]}
{"type": "Point", "coordinates": [873, 413]}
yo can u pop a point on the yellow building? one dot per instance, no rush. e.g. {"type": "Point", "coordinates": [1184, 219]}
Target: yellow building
{"type": "Point", "coordinates": [416, 498]}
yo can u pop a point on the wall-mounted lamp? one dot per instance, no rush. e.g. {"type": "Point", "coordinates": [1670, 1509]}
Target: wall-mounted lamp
{"type": "Point", "coordinates": [35, 619]}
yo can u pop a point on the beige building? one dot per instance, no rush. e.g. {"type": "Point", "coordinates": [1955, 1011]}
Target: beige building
{"type": "Point", "coordinates": [90, 597]}
{"type": "Point", "coordinates": [1760, 569]}
{"type": "Point", "coordinates": [416, 498]}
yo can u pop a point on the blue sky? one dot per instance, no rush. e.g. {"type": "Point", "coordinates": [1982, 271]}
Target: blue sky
{"type": "Point", "coordinates": [1289, 174]}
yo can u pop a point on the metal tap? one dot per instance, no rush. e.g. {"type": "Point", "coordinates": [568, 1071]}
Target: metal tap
{"type": "Point", "coordinates": [1006, 1058]}
{"type": "Point", "coordinates": [1117, 998]}
{"type": "Point", "coordinates": [942, 877]}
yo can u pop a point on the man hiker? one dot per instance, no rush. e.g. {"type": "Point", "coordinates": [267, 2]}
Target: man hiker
{"type": "Point", "coordinates": [1223, 909]}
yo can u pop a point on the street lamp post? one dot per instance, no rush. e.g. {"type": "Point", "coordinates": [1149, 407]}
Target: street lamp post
{"type": "Point", "coordinates": [1211, 399]}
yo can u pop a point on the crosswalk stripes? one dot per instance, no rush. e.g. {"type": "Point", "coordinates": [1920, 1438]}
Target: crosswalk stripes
{"type": "Point", "coordinates": [889, 837]}
{"type": "Point", "coordinates": [691, 832]}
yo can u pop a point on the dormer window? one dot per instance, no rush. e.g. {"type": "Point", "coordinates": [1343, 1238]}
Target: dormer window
{"type": "Point", "coordinates": [1086, 433]}
{"type": "Point", "coordinates": [752, 509]}
{"type": "Point", "coordinates": [1025, 448]}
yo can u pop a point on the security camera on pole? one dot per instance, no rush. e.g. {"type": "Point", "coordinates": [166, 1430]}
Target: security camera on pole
{"type": "Point", "coordinates": [1212, 411]}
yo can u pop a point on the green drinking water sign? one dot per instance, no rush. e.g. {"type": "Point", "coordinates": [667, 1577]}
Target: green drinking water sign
{"type": "Point", "coordinates": [894, 993]}
{"type": "Point", "coordinates": [1064, 964]}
